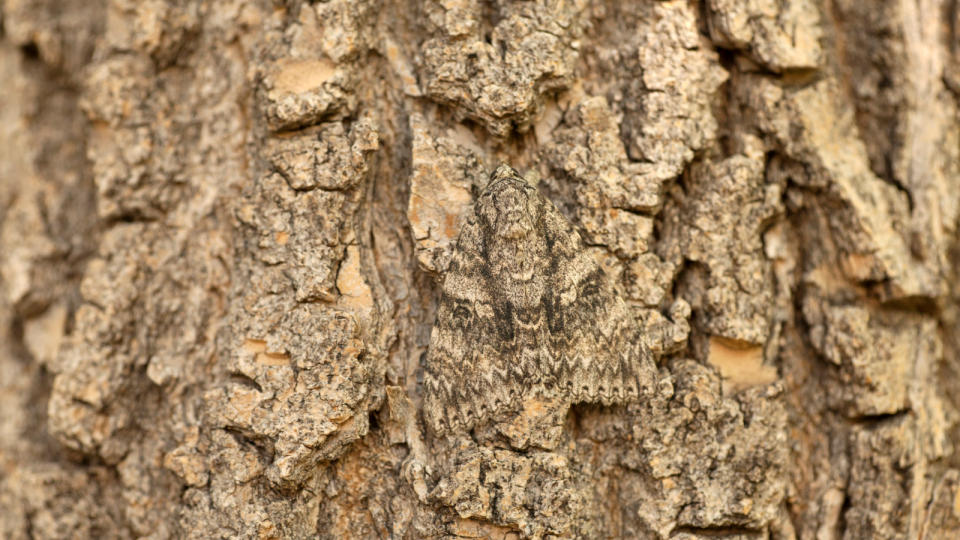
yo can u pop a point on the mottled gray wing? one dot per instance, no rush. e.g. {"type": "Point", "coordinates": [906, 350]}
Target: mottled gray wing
{"type": "Point", "coordinates": [469, 375]}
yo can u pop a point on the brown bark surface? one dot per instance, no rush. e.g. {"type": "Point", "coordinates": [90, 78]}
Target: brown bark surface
{"type": "Point", "coordinates": [224, 227]}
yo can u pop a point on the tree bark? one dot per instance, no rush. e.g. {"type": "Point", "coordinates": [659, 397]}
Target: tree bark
{"type": "Point", "coordinates": [225, 229]}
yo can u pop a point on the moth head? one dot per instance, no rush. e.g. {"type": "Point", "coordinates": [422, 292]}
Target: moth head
{"type": "Point", "coordinates": [508, 204]}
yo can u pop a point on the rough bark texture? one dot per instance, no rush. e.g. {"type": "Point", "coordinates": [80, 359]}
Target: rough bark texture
{"type": "Point", "coordinates": [225, 226]}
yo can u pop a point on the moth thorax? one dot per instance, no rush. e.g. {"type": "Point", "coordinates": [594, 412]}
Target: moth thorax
{"type": "Point", "coordinates": [518, 276]}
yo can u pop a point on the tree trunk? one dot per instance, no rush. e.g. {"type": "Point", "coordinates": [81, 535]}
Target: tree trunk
{"type": "Point", "coordinates": [233, 302]}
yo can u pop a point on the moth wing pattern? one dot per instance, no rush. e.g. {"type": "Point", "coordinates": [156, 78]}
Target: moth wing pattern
{"type": "Point", "coordinates": [525, 310]}
{"type": "Point", "coordinates": [463, 372]}
{"type": "Point", "coordinates": [602, 355]}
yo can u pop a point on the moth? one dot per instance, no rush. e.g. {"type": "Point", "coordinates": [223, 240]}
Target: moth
{"type": "Point", "coordinates": [526, 312]}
